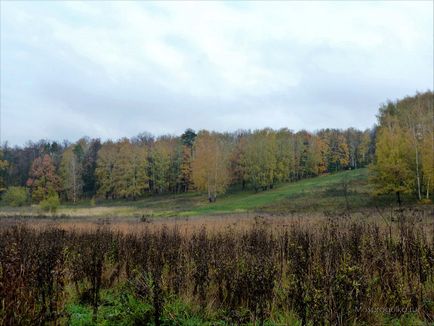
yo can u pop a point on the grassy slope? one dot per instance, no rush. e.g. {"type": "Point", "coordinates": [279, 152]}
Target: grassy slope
{"type": "Point", "coordinates": [324, 192]}
{"type": "Point", "coordinates": [315, 194]}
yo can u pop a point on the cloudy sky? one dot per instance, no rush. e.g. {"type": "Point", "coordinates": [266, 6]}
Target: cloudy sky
{"type": "Point", "coordinates": [113, 69]}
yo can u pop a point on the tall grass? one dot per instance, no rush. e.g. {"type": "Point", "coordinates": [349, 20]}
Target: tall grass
{"type": "Point", "coordinates": [337, 270]}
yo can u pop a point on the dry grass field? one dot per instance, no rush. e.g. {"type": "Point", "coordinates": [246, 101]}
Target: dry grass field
{"type": "Point", "coordinates": [369, 267]}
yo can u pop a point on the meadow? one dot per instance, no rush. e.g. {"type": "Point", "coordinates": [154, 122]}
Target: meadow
{"type": "Point", "coordinates": [317, 251]}
{"type": "Point", "coordinates": [347, 190]}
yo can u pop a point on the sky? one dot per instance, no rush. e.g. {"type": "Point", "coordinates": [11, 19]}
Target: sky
{"type": "Point", "coordinates": [70, 69]}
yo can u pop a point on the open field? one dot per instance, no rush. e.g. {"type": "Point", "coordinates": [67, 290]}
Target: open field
{"type": "Point", "coordinates": [318, 251]}
{"type": "Point", "coordinates": [324, 193]}
{"type": "Point", "coordinates": [359, 268]}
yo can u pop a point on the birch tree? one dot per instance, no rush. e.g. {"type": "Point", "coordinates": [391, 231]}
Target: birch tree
{"type": "Point", "coordinates": [210, 165]}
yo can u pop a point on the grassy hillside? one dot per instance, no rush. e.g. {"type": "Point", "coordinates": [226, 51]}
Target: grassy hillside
{"type": "Point", "coordinates": [316, 194]}
{"type": "Point", "coordinates": [324, 192]}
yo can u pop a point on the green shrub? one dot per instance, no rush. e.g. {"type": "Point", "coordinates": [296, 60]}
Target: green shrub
{"type": "Point", "coordinates": [50, 204]}
{"type": "Point", "coordinates": [16, 196]}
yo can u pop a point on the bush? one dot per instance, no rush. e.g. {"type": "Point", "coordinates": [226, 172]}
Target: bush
{"type": "Point", "coordinates": [16, 196]}
{"type": "Point", "coordinates": [425, 201]}
{"type": "Point", "coordinates": [50, 204]}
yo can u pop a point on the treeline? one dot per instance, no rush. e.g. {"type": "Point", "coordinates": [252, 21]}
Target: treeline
{"type": "Point", "coordinates": [404, 161]}
{"type": "Point", "coordinates": [203, 161]}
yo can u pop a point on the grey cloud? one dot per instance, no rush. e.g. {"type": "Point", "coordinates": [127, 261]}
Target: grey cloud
{"type": "Point", "coordinates": [53, 86]}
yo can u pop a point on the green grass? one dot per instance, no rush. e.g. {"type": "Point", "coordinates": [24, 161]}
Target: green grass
{"type": "Point", "coordinates": [319, 194]}
{"type": "Point", "coordinates": [324, 192]}
{"type": "Point", "coordinates": [121, 307]}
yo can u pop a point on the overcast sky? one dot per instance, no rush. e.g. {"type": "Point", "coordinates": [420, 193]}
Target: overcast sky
{"type": "Point", "coordinates": [114, 69]}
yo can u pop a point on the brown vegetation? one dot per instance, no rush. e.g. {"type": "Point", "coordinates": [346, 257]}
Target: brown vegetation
{"type": "Point", "coordinates": [339, 269]}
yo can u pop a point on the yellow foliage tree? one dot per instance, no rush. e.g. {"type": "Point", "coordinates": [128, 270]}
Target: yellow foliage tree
{"type": "Point", "coordinates": [122, 170]}
{"type": "Point", "coordinates": [392, 171]}
{"type": "Point", "coordinates": [130, 172]}
{"type": "Point", "coordinates": [210, 164]}
{"type": "Point", "coordinates": [405, 146]}
{"type": "Point", "coordinates": [71, 174]}
{"type": "Point", "coordinates": [259, 159]}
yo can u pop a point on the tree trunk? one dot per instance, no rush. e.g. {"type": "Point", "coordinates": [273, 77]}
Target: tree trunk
{"type": "Point", "coordinates": [412, 127]}
{"type": "Point", "coordinates": [418, 174]}
{"type": "Point", "coordinates": [398, 197]}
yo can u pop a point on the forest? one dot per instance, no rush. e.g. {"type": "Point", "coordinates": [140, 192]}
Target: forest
{"type": "Point", "coordinates": [207, 161]}
{"type": "Point", "coordinates": [399, 151]}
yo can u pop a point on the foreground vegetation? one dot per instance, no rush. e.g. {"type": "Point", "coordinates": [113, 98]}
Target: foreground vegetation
{"type": "Point", "coordinates": [335, 270]}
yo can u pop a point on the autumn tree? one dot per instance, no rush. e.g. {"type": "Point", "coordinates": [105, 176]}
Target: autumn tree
{"type": "Point", "coordinates": [19, 163]}
{"type": "Point", "coordinates": [43, 180]}
{"type": "Point", "coordinates": [303, 142]}
{"type": "Point", "coordinates": [427, 160]}
{"type": "Point", "coordinates": [3, 169]}
{"type": "Point", "coordinates": [105, 167]}
{"type": "Point", "coordinates": [71, 172]}
{"type": "Point", "coordinates": [316, 156]}
{"type": "Point", "coordinates": [284, 155]}
{"type": "Point", "coordinates": [405, 146]}
{"type": "Point", "coordinates": [186, 170]}
{"type": "Point", "coordinates": [165, 164]}
{"type": "Point", "coordinates": [176, 160]}
{"type": "Point", "coordinates": [366, 148]}
{"type": "Point", "coordinates": [122, 170]}
{"type": "Point", "coordinates": [354, 140]}
{"type": "Point", "coordinates": [297, 150]}
{"type": "Point", "coordinates": [259, 159]}
{"type": "Point", "coordinates": [143, 139]}
{"type": "Point", "coordinates": [337, 151]}
{"type": "Point", "coordinates": [89, 164]}
{"type": "Point", "coordinates": [392, 172]}
{"type": "Point", "coordinates": [210, 164]}
{"type": "Point", "coordinates": [236, 164]}
{"type": "Point", "coordinates": [426, 108]}
{"type": "Point", "coordinates": [130, 170]}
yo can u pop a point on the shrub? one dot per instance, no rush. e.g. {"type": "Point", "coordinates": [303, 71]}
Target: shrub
{"type": "Point", "coordinates": [425, 201]}
{"type": "Point", "coordinates": [50, 204]}
{"type": "Point", "coordinates": [16, 196]}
